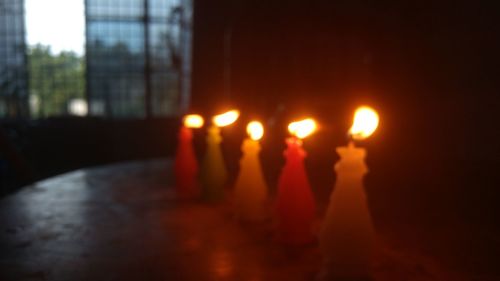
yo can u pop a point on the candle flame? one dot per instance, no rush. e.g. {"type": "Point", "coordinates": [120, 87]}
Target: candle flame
{"type": "Point", "coordinates": [193, 121]}
{"type": "Point", "coordinates": [303, 128]}
{"type": "Point", "coordinates": [365, 123]}
{"type": "Point", "coordinates": [255, 130]}
{"type": "Point", "coordinates": [227, 118]}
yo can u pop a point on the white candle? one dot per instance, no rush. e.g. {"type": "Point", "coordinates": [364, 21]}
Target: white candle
{"type": "Point", "coordinates": [347, 235]}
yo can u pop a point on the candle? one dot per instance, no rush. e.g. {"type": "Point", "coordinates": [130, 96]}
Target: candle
{"type": "Point", "coordinates": [347, 235]}
{"type": "Point", "coordinates": [250, 192]}
{"type": "Point", "coordinates": [214, 174]}
{"type": "Point", "coordinates": [185, 165]}
{"type": "Point", "coordinates": [295, 206]}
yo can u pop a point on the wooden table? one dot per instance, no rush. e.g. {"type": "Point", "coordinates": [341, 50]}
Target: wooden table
{"type": "Point", "coordinates": [123, 222]}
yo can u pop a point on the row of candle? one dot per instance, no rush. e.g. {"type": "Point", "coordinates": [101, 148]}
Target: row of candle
{"type": "Point", "coordinates": [346, 237]}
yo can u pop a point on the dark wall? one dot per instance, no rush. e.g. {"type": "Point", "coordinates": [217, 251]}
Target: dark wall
{"type": "Point", "coordinates": [429, 68]}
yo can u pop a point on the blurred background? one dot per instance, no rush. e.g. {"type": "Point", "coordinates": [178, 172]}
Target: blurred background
{"type": "Point", "coordinates": [89, 82]}
{"type": "Point", "coordinates": [84, 83]}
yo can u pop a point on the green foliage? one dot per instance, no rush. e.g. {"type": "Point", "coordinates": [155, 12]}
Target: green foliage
{"type": "Point", "coordinates": [54, 80]}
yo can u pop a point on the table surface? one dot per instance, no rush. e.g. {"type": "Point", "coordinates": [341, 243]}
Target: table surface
{"type": "Point", "coordinates": [123, 222]}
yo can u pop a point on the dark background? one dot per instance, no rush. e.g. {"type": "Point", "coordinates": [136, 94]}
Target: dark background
{"type": "Point", "coordinates": [430, 69]}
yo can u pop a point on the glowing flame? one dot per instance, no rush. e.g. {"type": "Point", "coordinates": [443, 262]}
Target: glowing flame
{"type": "Point", "coordinates": [193, 121]}
{"type": "Point", "coordinates": [255, 130]}
{"type": "Point", "coordinates": [365, 123]}
{"type": "Point", "coordinates": [303, 128]}
{"type": "Point", "coordinates": [227, 118]}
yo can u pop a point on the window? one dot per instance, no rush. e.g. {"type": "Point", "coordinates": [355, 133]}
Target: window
{"type": "Point", "coordinates": [135, 57]}
{"type": "Point", "coordinates": [55, 57]}
{"type": "Point", "coordinates": [13, 77]}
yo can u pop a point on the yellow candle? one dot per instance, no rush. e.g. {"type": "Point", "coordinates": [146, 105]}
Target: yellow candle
{"type": "Point", "coordinates": [214, 173]}
{"type": "Point", "coordinates": [250, 192]}
{"type": "Point", "coordinates": [347, 234]}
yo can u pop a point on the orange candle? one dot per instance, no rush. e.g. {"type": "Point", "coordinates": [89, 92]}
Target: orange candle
{"type": "Point", "coordinates": [295, 206]}
{"type": "Point", "coordinates": [186, 166]}
{"type": "Point", "coordinates": [347, 235]}
{"type": "Point", "coordinates": [250, 191]}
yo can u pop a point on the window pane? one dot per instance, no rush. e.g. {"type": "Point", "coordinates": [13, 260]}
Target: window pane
{"type": "Point", "coordinates": [13, 78]}
{"type": "Point", "coordinates": [117, 62]}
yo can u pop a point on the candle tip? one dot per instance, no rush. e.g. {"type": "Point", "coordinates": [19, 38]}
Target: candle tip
{"type": "Point", "coordinates": [226, 118]}
{"type": "Point", "coordinates": [255, 130]}
{"type": "Point", "coordinates": [365, 123]}
{"type": "Point", "coordinates": [302, 129]}
{"type": "Point", "coordinates": [193, 121]}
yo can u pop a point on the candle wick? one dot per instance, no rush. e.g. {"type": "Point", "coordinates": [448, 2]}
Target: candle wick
{"type": "Point", "coordinates": [350, 138]}
{"type": "Point", "coordinates": [351, 143]}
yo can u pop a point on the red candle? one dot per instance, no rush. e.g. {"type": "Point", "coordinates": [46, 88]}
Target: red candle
{"type": "Point", "coordinates": [186, 165]}
{"type": "Point", "coordinates": [295, 206]}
